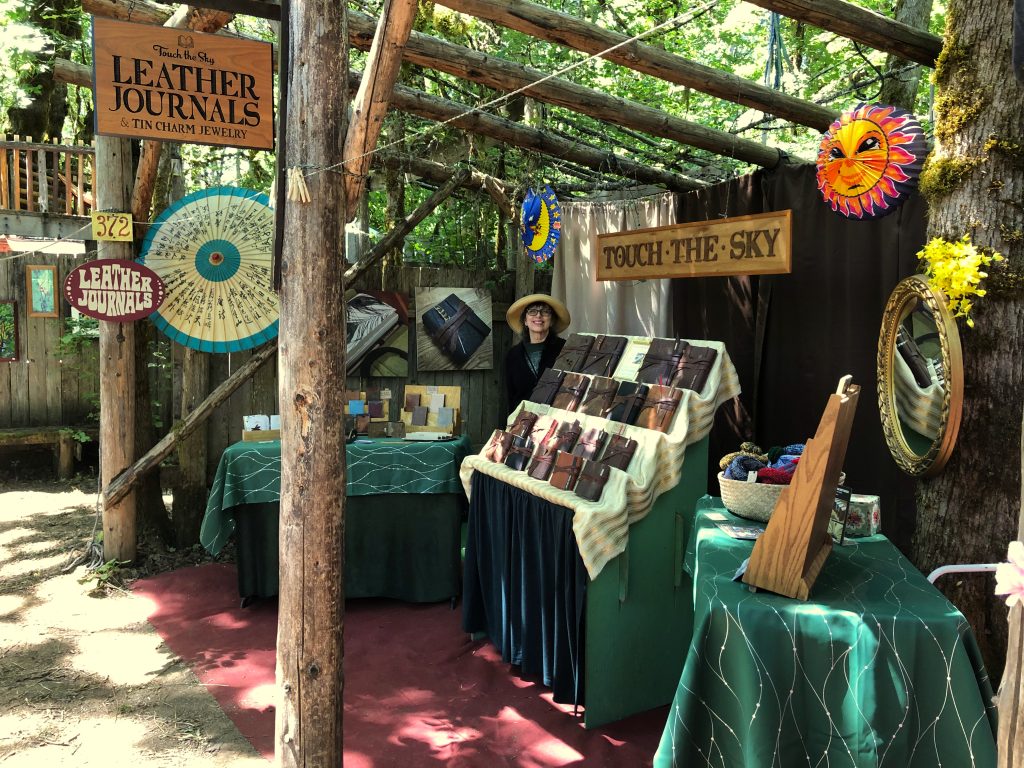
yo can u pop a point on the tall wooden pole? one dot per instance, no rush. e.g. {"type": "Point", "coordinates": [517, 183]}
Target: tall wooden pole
{"type": "Point", "coordinates": [311, 386]}
{"type": "Point", "coordinates": [113, 188]}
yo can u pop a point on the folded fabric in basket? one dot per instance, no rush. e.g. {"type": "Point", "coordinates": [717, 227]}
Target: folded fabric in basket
{"type": "Point", "coordinates": [547, 386]}
{"type": "Point", "coordinates": [659, 408]}
{"type": "Point", "coordinates": [599, 396]}
{"type": "Point", "coordinates": [593, 478]}
{"type": "Point", "coordinates": [570, 393]}
{"type": "Point", "coordinates": [574, 353]}
{"type": "Point", "coordinates": [566, 471]}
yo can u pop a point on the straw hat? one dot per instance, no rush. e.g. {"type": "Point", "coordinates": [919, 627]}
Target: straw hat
{"type": "Point", "coordinates": [560, 322]}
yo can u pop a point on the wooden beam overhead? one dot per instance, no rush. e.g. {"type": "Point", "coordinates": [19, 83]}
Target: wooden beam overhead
{"type": "Point", "coordinates": [863, 26]}
{"type": "Point", "coordinates": [505, 75]}
{"type": "Point", "coordinates": [516, 134]}
{"type": "Point", "coordinates": [370, 105]}
{"type": "Point", "coordinates": [258, 8]}
{"type": "Point", "coordinates": [563, 29]}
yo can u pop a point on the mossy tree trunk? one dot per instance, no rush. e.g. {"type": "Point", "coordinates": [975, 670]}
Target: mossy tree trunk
{"type": "Point", "coordinates": [974, 183]}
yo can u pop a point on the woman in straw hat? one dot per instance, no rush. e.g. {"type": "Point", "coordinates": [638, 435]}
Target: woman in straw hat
{"type": "Point", "coordinates": [538, 318]}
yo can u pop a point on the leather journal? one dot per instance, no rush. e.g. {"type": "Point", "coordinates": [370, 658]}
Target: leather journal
{"type": "Point", "coordinates": [604, 355]}
{"type": "Point", "coordinates": [598, 400]}
{"type": "Point", "coordinates": [629, 399]}
{"type": "Point", "coordinates": [547, 386]}
{"type": "Point", "coordinates": [544, 459]}
{"type": "Point", "coordinates": [593, 478]}
{"type": "Point", "coordinates": [574, 353]}
{"type": "Point", "coordinates": [519, 452]}
{"type": "Point", "coordinates": [661, 361]}
{"type": "Point", "coordinates": [570, 393]}
{"type": "Point", "coordinates": [498, 446]}
{"type": "Point", "coordinates": [566, 471]}
{"type": "Point", "coordinates": [455, 328]}
{"type": "Point", "coordinates": [694, 366]}
{"type": "Point", "coordinates": [523, 425]}
{"type": "Point", "coordinates": [659, 408]}
{"type": "Point", "coordinates": [590, 443]}
{"type": "Point", "coordinates": [619, 452]}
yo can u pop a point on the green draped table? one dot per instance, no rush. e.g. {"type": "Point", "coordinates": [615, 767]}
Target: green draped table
{"type": "Point", "coordinates": [403, 517]}
{"type": "Point", "coordinates": [876, 669]}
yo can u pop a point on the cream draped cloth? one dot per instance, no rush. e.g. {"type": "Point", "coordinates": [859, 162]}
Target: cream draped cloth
{"type": "Point", "coordinates": [631, 308]}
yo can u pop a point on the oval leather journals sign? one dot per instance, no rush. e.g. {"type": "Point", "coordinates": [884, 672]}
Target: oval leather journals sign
{"type": "Point", "coordinates": [114, 289]}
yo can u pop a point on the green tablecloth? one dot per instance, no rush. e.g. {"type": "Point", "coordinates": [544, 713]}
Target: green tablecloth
{"type": "Point", "coordinates": [402, 524]}
{"type": "Point", "coordinates": [877, 668]}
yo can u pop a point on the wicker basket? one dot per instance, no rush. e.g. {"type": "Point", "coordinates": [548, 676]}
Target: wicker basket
{"type": "Point", "coordinates": [754, 501]}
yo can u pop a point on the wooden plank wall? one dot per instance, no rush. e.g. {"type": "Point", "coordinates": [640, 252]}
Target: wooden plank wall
{"type": "Point", "coordinates": [44, 386]}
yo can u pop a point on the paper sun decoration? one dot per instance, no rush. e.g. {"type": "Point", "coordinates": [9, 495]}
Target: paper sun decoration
{"type": "Point", "coordinates": [541, 224]}
{"type": "Point", "coordinates": [869, 160]}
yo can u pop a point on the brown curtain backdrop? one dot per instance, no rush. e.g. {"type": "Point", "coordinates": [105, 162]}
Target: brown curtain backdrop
{"type": "Point", "coordinates": [793, 336]}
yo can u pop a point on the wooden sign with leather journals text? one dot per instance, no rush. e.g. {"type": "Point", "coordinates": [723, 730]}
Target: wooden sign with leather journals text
{"type": "Point", "coordinates": [759, 244]}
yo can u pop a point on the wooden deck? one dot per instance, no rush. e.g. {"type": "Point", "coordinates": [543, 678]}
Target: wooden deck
{"type": "Point", "coordinates": [45, 178]}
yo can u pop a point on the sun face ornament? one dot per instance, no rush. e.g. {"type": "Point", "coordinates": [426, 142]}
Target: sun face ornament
{"type": "Point", "coordinates": [541, 225]}
{"type": "Point", "coordinates": [869, 160]}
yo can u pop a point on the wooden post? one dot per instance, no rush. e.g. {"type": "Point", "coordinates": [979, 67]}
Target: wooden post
{"type": "Point", "coordinates": [113, 184]}
{"type": "Point", "coordinates": [312, 372]}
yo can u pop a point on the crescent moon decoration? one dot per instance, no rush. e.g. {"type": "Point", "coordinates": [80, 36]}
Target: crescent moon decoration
{"type": "Point", "coordinates": [541, 225]}
{"type": "Point", "coordinates": [213, 249]}
{"type": "Point", "coordinates": [869, 160]}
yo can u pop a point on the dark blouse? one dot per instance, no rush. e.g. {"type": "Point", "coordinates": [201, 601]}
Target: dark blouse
{"type": "Point", "coordinates": [520, 378]}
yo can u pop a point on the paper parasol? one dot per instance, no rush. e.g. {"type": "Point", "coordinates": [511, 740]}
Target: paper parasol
{"type": "Point", "coordinates": [541, 225]}
{"type": "Point", "coordinates": [869, 160]}
{"type": "Point", "coordinates": [213, 251]}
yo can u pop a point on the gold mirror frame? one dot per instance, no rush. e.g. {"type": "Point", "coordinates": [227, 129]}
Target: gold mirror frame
{"type": "Point", "coordinates": [906, 296]}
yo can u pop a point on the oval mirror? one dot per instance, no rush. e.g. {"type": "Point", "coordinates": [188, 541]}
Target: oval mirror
{"type": "Point", "coordinates": [920, 377]}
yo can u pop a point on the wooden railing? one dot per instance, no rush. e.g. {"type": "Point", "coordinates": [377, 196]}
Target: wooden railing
{"type": "Point", "coordinates": [46, 178]}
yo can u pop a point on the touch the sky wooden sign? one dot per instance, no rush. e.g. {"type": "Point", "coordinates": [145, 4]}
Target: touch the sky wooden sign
{"type": "Point", "coordinates": [760, 244]}
{"type": "Point", "coordinates": [165, 83]}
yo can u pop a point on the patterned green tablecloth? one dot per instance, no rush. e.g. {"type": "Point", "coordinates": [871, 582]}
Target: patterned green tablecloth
{"type": "Point", "coordinates": [876, 669]}
{"type": "Point", "coordinates": [250, 473]}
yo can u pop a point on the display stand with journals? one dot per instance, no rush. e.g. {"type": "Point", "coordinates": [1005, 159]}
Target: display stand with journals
{"type": "Point", "coordinates": [615, 440]}
{"type": "Point", "coordinates": [432, 409]}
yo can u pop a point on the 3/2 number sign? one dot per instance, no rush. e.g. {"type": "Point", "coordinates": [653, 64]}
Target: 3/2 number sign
{"type": "Point", "coordinates": [111, 226]}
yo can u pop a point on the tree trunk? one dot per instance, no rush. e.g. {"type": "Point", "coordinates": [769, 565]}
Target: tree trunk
{"type": "Point", "coordinates": [311, 611]}
{"type": "Point", "coordinates": [44, 115]}
{"type": "Point", "coordinates": [190, 490]}
{"type": "Point", "coordinates": [394, 207]}
{"type": "Point", "coordinates": [899, 88]}
{"type": "Point", "coordinates": [974, 182]}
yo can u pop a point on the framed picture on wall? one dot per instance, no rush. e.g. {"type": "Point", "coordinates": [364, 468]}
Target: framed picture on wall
{"type": "Point", "coordinates": [41, 291]}
{"type": "Point", "coordinates": [8, 331]}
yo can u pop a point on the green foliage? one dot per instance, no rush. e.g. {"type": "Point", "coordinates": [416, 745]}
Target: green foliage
{"type": "Point", "coordinates": [105, 576]}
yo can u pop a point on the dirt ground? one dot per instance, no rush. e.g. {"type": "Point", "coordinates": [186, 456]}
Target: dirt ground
{"type": "Point", "coordinates": [84, 679]}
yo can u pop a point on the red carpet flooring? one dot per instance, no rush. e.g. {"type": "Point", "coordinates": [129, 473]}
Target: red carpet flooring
{"type": "Point", "coordinates": [418, 691]}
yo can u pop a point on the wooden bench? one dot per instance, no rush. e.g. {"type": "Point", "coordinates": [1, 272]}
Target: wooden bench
{"type": "Point", "coordinates": [62, 439]}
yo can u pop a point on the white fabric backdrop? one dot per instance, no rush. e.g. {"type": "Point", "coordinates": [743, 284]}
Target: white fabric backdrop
{"type": "Point", "coordinates": [632, 308]}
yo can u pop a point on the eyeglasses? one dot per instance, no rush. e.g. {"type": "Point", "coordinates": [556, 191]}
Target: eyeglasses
{"type": "Point", "coordinates": [538, 311]}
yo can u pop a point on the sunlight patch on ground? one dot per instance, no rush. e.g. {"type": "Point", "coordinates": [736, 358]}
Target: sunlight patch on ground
{"type": "Point", "coordinates": [65, 603]}
{"type": "Point", "coordinates": [260, 697]}
{"type": "Point", "coordinates": [30, 547]}
{"type": "Point", "coordinates": [12, 568]}
{"type": "Point", "coordinates": [15, 534]}
{"type": "Point", "coordinates": [123, 658]}
{"type": "Point", "coordinates": [8, 605]}
{"type": "Point", "coordinates": [539, 747]}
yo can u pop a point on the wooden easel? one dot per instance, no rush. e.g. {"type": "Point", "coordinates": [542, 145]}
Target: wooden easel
{"type": "Point", "coordinates": [788, 556]}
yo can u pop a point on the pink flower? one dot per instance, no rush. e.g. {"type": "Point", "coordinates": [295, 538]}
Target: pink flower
{"type": "Point", "coordinates": [1010, 576]}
